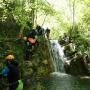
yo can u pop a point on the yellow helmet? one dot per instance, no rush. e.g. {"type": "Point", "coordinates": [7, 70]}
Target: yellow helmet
{"type": "Point", "coordinates": [9, 57]}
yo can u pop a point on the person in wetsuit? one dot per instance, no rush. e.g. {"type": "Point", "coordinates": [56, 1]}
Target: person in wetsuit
{"type": "Point", "coordinates": [11, 71]}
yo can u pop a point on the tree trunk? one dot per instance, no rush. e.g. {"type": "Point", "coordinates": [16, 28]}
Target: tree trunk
{"type": "Point", "coordinates": [32, 13]}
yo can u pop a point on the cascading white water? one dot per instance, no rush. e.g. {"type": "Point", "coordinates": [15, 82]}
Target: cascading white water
{"type": "Point", "coordinates": [57, 55]}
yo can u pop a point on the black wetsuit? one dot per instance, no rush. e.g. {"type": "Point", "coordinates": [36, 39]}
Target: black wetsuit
{"type": "Point", "coordinates": [13, 75]}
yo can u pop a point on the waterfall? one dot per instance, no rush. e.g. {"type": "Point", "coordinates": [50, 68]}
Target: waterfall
{"type": "Point", "coordinates": [57, 54]}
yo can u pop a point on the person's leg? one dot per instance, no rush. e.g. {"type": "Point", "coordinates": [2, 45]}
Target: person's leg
{"type": "Point", "coordinates": [27, 54]}
{"type": "Point", "coordinates": [13, 86]}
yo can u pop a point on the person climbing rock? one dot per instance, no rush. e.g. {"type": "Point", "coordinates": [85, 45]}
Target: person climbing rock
{"type": "Point", "coordinates": [30, 42]}
{"type": "Point", "coordinates": [47, 33]}
{"type": "Point", "coordinates": [11, 71]}
{"type": "Point", "coordinates": [40, 30]}
{"type": "Point", "coordinates": [32, 33]}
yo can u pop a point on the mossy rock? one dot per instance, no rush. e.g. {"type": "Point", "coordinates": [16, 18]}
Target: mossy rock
{"type": "Point", "coordinates": [45, 62]}
{"type": "Point", "coordinates": [77, 67]}
{"type": "Point", "coordinates": [28, 72]}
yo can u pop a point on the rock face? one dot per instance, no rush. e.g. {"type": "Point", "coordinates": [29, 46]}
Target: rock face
{"type": "Point", "coordinates": [67, 66]}
{"type": "Point", "coordinates": [38, 67]}
{"type": "Point", "coordinates": [77, 66]}
{"type": "Point", "coordinates": [78, 63]}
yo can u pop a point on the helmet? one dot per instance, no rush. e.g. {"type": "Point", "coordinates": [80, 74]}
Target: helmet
{"type": "Point", "coordinates": [9, 57]}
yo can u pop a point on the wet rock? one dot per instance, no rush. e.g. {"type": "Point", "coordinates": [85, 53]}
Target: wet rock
{"type": "Point", "coordinates": [77, 66]}
{"type": "Point", "coordinates": [69, 49]}
{"type": "Point", "coordinates": [64, 40]}
{"type": "Point", "coordinates": [67, 66]}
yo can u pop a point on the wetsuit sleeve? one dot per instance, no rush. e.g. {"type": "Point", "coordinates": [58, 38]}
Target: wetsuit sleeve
{"type": "Point", "coordinates": [5, 71]}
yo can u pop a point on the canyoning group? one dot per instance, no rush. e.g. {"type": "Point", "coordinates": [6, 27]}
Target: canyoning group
{"type": "Point", "coordinates": [11, 69]}
{"type": "Point", "coordinates": [32, 39]}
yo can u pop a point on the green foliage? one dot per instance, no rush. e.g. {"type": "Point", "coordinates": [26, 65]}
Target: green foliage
{"type": "Point", "coordinates": [55, 34]}
{"type": "Point", "coordinates": [43, 6]}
